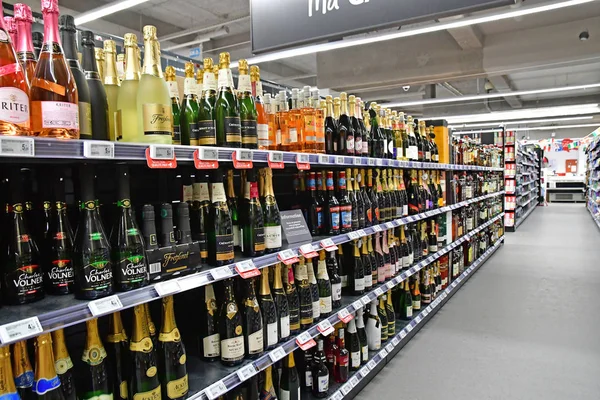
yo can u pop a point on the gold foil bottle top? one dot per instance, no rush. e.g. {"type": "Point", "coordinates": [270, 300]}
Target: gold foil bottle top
{"type": "Point", "coordinates": [200, 75]}
{"type": "Point", "coordinates": [216, 71]}
{"type": "Point", "coordinates": [255, 73]}
{"type": "Point", "coordinates": [337, 101]}
{"type": "Point", "coordinates": [130, 40]}
{"type": "Point", "coordinates": [243, 67]}
{"type": "Point", "coordinates": [343, 96]}
{"type": "Point", "coordinates": [352, 99]}
{"type": "Point", "coordinates": [59, 345]}
{"type": "Point", "coordinates": [149, 32]}
{"type": "Point", "coordinates": [44, 358]}
{"type": "Point", "coordinates": [121, 57]}
{"type": "Point", "coordinates": [410, 119]}
{"type": "Point", "coordinates": [224, 60]}
{"type": "Point", "coordinates": [99, 53]}
{"type": "Point", "coordinates": [21, 362]}
{"type": "Point", "coordinates": [110, 46]}
{"type": "Point", "coordinates": [170, 73]}
{"type": "Point", "coordinates": [189, 69]}
{"type": "Point", "coordinates": [208, 64]}
{"type": "Point", "coordinates": [328, 100]}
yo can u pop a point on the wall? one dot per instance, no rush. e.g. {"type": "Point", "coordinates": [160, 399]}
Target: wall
{"type": "Point", "coordinates": [556, 160]}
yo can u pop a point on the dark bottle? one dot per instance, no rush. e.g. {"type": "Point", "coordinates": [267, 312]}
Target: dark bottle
{"type": "Point", "coordinates": [232, 204]}
{"type": "Point", "coordinates": [354, 346]}
{"type": "Point", "coordinates": [22, 275]}
{"type": "Point", "coordinates": [292, 297]}
{"type": "Point", "coordinates": [332, 209]}
{"type": "Point", "coordinates": [253, 321]}
{"type": "Point", "coordinates": [382, 199]}
{"type": "Point", "coordinates": [128, 257]}
{"type": "Point", "coordinates": [269, 311]}
{"type": "Point", "coordinates": [189, 109]}
{"type": "Point", "coordinates": [391, 315]}
{"type": "Point", "coordinates": [359, 208]}
{"type": "Point", "coordinates": [171, 78]}
{"type": "Point", "coordinates": [315, 207]}
{"type": "Point", "coordinates": [314, 290]}
{"type": "Point", "coordinates": [322, 198]}
{"type": "Point", "coordinates": [304, 294]}
{"type": "Point", "coordinates": [209, 334]}
{"type": "Point", "coordinates": [184, 231]}
{"type": "Point", "coordinates": [149, 227]}
{"type": "Point", "coordinates": [414, 197]}
{"type": "Point", "coordinates": [320, 373]}
{"type": "Point", "coordinates": [377, 140]}
{"type": "Point", "coordinates": [366, 201]}
{"type": "Point", "coordinates": [435, 154]}
{"type": "Point", "coordinates": [272, 217]}
{"type": "Point", "coordinates": [382, 314]}
{"type": "Point", "coordinates": [405, 303]}
{"type": "Point", "coordinates": [172, 355]}
{"type": "Point", "coordinates": [281, 303]}
{"type": "Point", "coordinates": [95, 383]}
{"type": "Point", "coordinates": [46, 384]}
{"type": "Point", "coordinates": [220, 227]}
{"type": "Point", "coordinates": [289, 386]}
{"type": "Point", "coordinates": [373, 215]}
{"type": "Point", "coordinates": [167, 234]}
{"type": "Point", "coordinates": [118, 356]}
{"type": "Point", "coordinates": [342, 363]}
{"type": "Point", "coordinates": [366, 262]}
{"type": "Point", "coordinates": [331, 128]}
{"type": "Point", "coordinates": [343, 271]}
{"type": "Point", "coordinates": [230, 328]}
{"type": "Point", "coordinates": [358, 272]}
{"type": "Point", "coordinates": [97, 93]}
{"type": "Point", "coordinates": [64, 365]}
{"type": "Point", "coordinates": [352, 198]}
{"type": "Point", "coordinates": [358, 133]}
{"type": "Point", "coordinates": [206, 103]}
{"type": "Point", "coordinates": [416, 293]}
{"type": "Point", "coordinates": [248, 114]}
{"type": "Point", "coordinates": [252, 231]}
{"type": "Point", "coordinates": [335, 279]}
{"type": "Point", "coordinates": [67, 37]}
{"type": "Point", "coordinates": [267, 391]}
{"type": "Point", "coordinates": [199, 213]}
{"type": "Point", "coordinates": [226, 111]}
{"type": "Point", "coordinates": [425, 287]}
{"type": "Point", "coordinates": [305, 361]}
{"type": "Point", "coordinates": [23, 372]}
{"type": "Point", "coordinates": [345, 128]}
{"type": "Point", "coordinates": [362, 336]}
{"type": "Point", "coordinates": [144, 379]}
{"type": "Point", "coordinates": [324, 286]}
{"type": "Point", "coordinates": [60, 277]}
{"type": "Point", "coordinates": [345, 204]}
{"type": "Point", "coordinates": [420, 143]}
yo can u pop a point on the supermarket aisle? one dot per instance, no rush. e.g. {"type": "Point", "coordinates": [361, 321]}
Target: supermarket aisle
{"type": "Point", "coordinates": [525, 326]}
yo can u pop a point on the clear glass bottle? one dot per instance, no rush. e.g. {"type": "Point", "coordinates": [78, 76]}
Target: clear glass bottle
{"type": "Point", "coordinates": [111, 85]}
{"type": "Point", "coordinates": [126, 118]}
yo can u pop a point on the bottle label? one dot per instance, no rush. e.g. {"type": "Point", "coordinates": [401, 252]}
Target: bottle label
{"type": "Point", "coordinates": [256, 342]}
{"type": "Point", "coordinates": [309, 128]}
{"type": "Point", "coordinates": [233, 130]}
{"type": "Point", "coordinates": [209, 82]}
{"type": "Point", "coordinates": [61, 273]}
{"type": "Point", "coordinates": [153, 394]}
{"type": "Point", "coordinates": [263, 135]}
{"type": "Point", "coordinates": [223, 78]}
{"type": "Point", "coordinates": [218, 193]}
{"type": "Point", "coordinates": [433, 248]}
{"type": "Point", "coordinates": [224, 247]}
{"type": "Point", "coordinates": [272, 337]}
{"type": "Point", "coordinates": [316, 309]}
{"type": "Point", "coordinates": [391, 147]}
{"type": "Point", "coordinates": [358, 145]}
{"type": "Point", "coordinates": [244, 84]}
{"type": "Point", "coordinates": [177, 388]}
{"type": "Point", "coordinates": [273, 237]}
{"type": "Point", "coordinates": [346, 216]}
{"type": "Point", "coordinates": [359, 284]}
{"type": "Point", "coordinates": [232, 349]}
{"type": "Point", "coordinates": [323, 383]}
{"type": "Point", "coordinates": [85, 119]}
{"type": "Point", "coordinates": [174, 88]}
{"type": "Point", "coordinates": [344, 279]}
{"type": "Point", "coordinates": [293, 136]}
{"type": "Point", "coordinates": [61, 365]}
{"type": "Point", "coordinates": [43, 385]}
{"type": "Point", "coordinates": [409, 310]}
{"type": "Point", "coordinates": [428, 155]}
{"type": "Point", "coordinates": [93, 356]}
{"type": "Point", "coordinates": [25, 380]}
{"type": "Point", "coordinates": [211, 345]}
{"type": "Point", "coordinates": [249, 132]}
{"type": "Point", "coordinates": [194, 133]}
{"type": "Point", "coordinates": [365, 148]}
{"type": "Point", "coordinates": [278, 137]}
{"type": "Point", "coordinates": [355, 359]}
{"type": "Point", "coordinates": [58, 114]}
{"type": "Point", "coordinates": [131, 267]}
{"type": "Point", "coordinates": [176, 134]}
{"type": "Point", "coordinates": [335, 217]}
{"type": "Point", "coordinates": [284, 323]}
{"type": "Point", "coordinates": [157, 119]}
{"type": "Point", "coordinates": [206, 133]}
{"type": "Point", "coordinates": [416, 304]}
{"type": "Point", "coordinates": [236, 235]}
{"type": "Point", "coordinates": [27, 278]}
{"type": "Point", "coordinates": [336, 291]}
{"type": "Point", "coordinates": [365, 353]}
{"type": "Point", "coordinates": [308, 378]}
{"type": "Point", "coordinates": [97, 273]}
{"type": "Point", "coordinates": [325, 305]}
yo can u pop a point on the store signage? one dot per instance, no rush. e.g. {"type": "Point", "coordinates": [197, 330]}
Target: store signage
{"type": "Point", "coordinates": [280, 24]}
{"type": "Point", "coordinates": [294, 227]}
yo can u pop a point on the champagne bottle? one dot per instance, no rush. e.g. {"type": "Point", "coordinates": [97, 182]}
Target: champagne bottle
{"type": "Point", "coordinates": [362, 336]}
{"type": "Point", "coordinates": [252, 232]}
{"type": "Point", "coordinates": [292, 297]}
{"type": "Point", "coordinates": [99, 57]}
{"type": "Point", "coordinates": [253, 321]}
{"type": "Point", "coordinates": [290, 381]}
{"type": "Point", "coordinates": [64, 365]}
{"type": "Point", "coordinates": [345, 204]}
{"type": "Point", "coordinates": [304, 294]}
{"type": "Point", "coordinates": [334, 278]}
{"type": "Point", "coordinates": [226, 111]}
{"type": "Point", "coordinates": [248, 114]}
{"type": "Point", "coordinates": [93, 270]}
{"type": "Point", "coordinates": [262, 123]}
{"type": "Point", "coordinates": [8, 390]}
{"type": "Point", "coordinates": [314, 289]}
{"type": "Point", "coordinates": [97, 92]}
{"type": "Point", "coordinates": [320, 373]}
{"type": "Point", "coordinates": [382, 313]}
{"type": "Point", "coordinates": [332, 209]}
{"type": "Point", "coordinates": [126, 119]}
{"type": "Point", "coordinates": [23, 43]}
{"type": "Point", "coordinates": [416, 294]}
{"type": "Point", "coordinates": [267, 391]}
{"type": "Point", "coordinates": [366, 263]}
{"type": "Point", "coordinates": [342, 359]}
{"type": "Point", "coordinates": [315, 207]}
{"type": "Point", "coordinates": [111, 85]}
{"type": "Point", "coordinates": [24, 378]}
{"type": "Point", "coordinates": [358, 272]}
{"type": "Point", "coordinates": [269, 311]}
{"type": "Point", "coordinates": [155, 116]}
{"type": "Point", "coordinates": [151, 326]}
{"type": "Point", "coordinates": [179, 136]}
{"type": "Point", "coordinates": [210, 338]}
{"type": "Point", "coordinates": [342, 269]}
{"type": "Point", "coordinates": [189, 109]}
{"type": "Point", "coordinates": [405, 302]}
{"type": "Point", "coordinates": [46, 383]}
{"type": "Point", "coordinates": [173, 370]}
{"type": "Point", "coordinates": [118, 356]}
{"type": "Point", "coordinates": [200, 211]}
{"type": "Point", "coordinates": [128, 257]}
{"type": "Point", "coordinates": [149, 227]}
{"type": "Point", "coordinates": [354, 346]}
{"type": "Point", "coordinates": [220, 227]}
{"type": "Point", "coordinates": [272, 218]}
{"type": "Point", "coordinates": [144, 381]}
{"type": "Point", "coordinates": [206, 122]}
{"type": "Point", "coordinates": [95, 383]}
{"type": "Point", "coordinates": [373, 327]}
{"type": "Point", "coordinates": [184, 231]}
{"type": "Point", "coordinates": [281, 303]}
{"type": "Point", "coordinates": [232, 204]}
{"type": "Point", "coordinates": [390, 313]}
{"type": "Point", "coordinates": [324, 285]}
{"type": "Point", "coordinates": [68, 39]}
{"type": "Point", "coordinates": [230, 328]}
{"type": "Point", "coordinates": [331, 128]}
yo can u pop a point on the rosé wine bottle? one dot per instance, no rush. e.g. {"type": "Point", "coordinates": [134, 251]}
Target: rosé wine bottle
{"type": "Point", "coordinates": [11, 27]}
{"type": "Point", "coordinates": [24, 43]}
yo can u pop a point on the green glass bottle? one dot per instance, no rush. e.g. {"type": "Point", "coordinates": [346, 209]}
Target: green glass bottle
{"type": "Point", "coordinates": [272, 217]}
{"type": "Point", "coordinates": [252, 231]}
{"type": "Point", "coordinates": [230, 328]}
{"type": "Point", "coordinates": [173, 370]}
{"type": "Point", "coordinates": [171, 79]}
{"type": "Point", "coordinates": [220, 227]}
{"type": "Point", "coordinates": [189, 108]}
{"type": "Point", "coordinates": [8, 390]}
{"type": "Point", "coordinates": [207, 135]}
{"type": "Point", "coordinates": [46, 383]}
{"type": "Point", "coordinates": [111, 85]}
{"type": "Point", "coordinates": [23, 371]}
{"type": "Point", "coordinates": [64, 365]}
{"type": "Point", "coordinates": [118, 356]}
{"type": "Point", "coordinates": [226, 112]}
{"type": "Point", "coordinates": [95, 385]}
{"type": "Point", "coordinates": [144, 383]}
{"type": "Point", "coordinates": [248, 112]}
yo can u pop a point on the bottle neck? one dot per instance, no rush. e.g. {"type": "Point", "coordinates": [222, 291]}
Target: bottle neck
{"type": "Point", "coordinates": [93, 336]}
{"type": "Point", "coordinates": [89, 59]}
{"type": "Point", "coordinates": [151, 59]}
{"type": "Point", "coordinates": [117, 332]}
{"type": "Point", "coordinates": [110, 75]}
{"type": "Point", "coordinates": [329, 110]}
{"type": "Point", "coordinates": [25, 42]}
{"type": "Point", "coordinates": [277, 283]}
{"type": "Point", "coordinates": [132, 65]}
{"type": "Point", "coordinates": [140, 330]}
{"type": "Point", "coordinates": [6, 374]}
{"type": "Point", "coordinates": [264, 282]}
{"type": "Point", "coordinates": [51, 29]}
{"type": "Point", "coordinates": [59, 344]}
{"type": "Point", "coordinates": [168, 320]}
{"type": "Point", "coordinates": [21, 363]}
{"type": "Point", "coordinates": [44, 359]}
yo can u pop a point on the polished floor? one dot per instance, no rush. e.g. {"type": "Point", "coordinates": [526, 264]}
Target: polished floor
{"type": "Point", "coordinates": [525, 326]}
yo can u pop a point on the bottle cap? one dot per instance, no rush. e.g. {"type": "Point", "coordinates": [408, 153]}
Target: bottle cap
{"type": "Point", "coordinates": [23, 13]}
{"type": "Point", "coordinates": [255, 71]}
{"type": "Point", "coordinates": [149, 32]}
{"type": "Point", "coordinates": [50, 6]}
{"type": "Point", "coordinates": [224, 60]}
{"type": "Point", "coordinates": [200, 75]}
{"type": "Point", "coordinates": [243, 66]}
{"type": "Point", "coordinates": [328, 99]}
{"type": "Point", "coordinates": [189, 69]}
{"type": "Point", "coordinates": [130, 39]}
{"type": "Point", "coordinates": [208, 64]}
{"type": "Point", "coordinates": [110, 46]}
{"type": "Point", "coordinates": [170, 73]}
{"type": "Point", "coordinates": [87, 37]}
{"type": "Point", "coordinates": [148, 212]}
{"type": "Point", "coordinates": [10, 25]}
{"type": "Point", "coordinates": [343, 96]}
{"type": "Point", "coordinates": [352, 99]}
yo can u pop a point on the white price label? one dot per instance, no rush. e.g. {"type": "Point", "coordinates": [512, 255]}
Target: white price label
{"type": "Point", "coordinates": [325, 327]}
{"type": "Point", "coordinates": [389, 347]}
{"type": "Point", "coordinates": [168, 287]}
{"type": "Point", "coordinates": [275, 156]}
{"type": "Point", "coordinates": [391, 284]}
{"type": "Point", "coordinates": [162, 152]}
{"type": "Point", "coordinates": [353, 381]}
{"type": "Point", "coordinates": [383, 353]}
{"type": "Point", "coordinates": [371, 162]}
{"type": "Point", "coordinates": [346, 389]}
{"type": "Point", "coordinates": [306, 248]}
{"type": "Point", "coordinates": [357, 304]}
{"type": "Point", "coordinates": [17, 146]}
{"type": "Point", "coordinates": [344, 315]}
{"type": "Point", "coordinates": [379, 162]}
{"type": "Point", "coordinates": [409, 328]}
{"type": "Point", "coordinates": [98, 149]}
{"type": "Point", "coordinates": [444, 295]}
{"type": "Point", "coordinates": [357, 161]}
{"type": "Point", "coordinates": [365, 300]}
{"type": "Point", "coordinates": [419, 318]}
{"type": "Point", "coordinates": [377, 228]}
{"type": "Point", "coordinates": [425, 312]}
{"type": "Point", "coordinates": [105, 305]}
{"type": "Point", "coordinates": [323, 159]}
{"type": "Point", "coordinates": [246, 372]}
{"type": "Point", "coordinates": [428, 309]}
{"type": "Point", "coordinates": [395, 341]}
{"type": "Point", "coordinates": [243, 155]}
{"type": "Point", "coordinates": [19, 330]}
{"type": "Point", "coordinates": [328, 245]}
{"type": "Point", "coordinates": [208, 154]}
{"type": "Point", "coordinates": [372, 364]}
{"type": "Point", "coordinates": [353, 235]}
{"type": "Point", "coordinates": [361, 233]}
{"type": "Point", "coordinates": [389, 225]}
{"type": "Point", "coordinates": [378, 292]}
{"type": "Point", "coordinates": [337, 396]}
{"type": "Point", "coordinates": [339, 159]}
{"type": "Point", "coordinates": [193, 281]}
{"type": "Point", "coordinates": [454, 284]}
{"type": "Point", "coordinates": [402, 334]}
{"type": "Point", "coordinates": [221, 273]}
{"type": "Point", "coordinates": [244, 266]}
{"type": "Point", "coordinates": [364, 372]}
{"type": "Point", "coordinates": [215, 390]}
{"type": "Point", "coordinates": [277, 354]}
{"type": "Point", "coordinates": [303, 338]}
{"type": "Point", "coordinates": [287, 254]}
{"type": "Point", "coordinates": [300, 158]}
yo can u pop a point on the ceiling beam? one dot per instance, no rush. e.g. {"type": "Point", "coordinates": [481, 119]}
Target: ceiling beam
{"type": "Point", "coordinates": [502, 84]}
{"type": "Point", "coordinates": [467, 37]}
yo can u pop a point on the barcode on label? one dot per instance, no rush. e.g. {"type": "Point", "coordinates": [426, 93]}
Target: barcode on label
{"type": "Point", "coordinates": [155, 268]}
{"type": "Point", "coordinates": [244, 266]}
{"type": "Point", "coordinates": [215, 390]}
{"type": "Point", "coordinates": [395, 341]}
{"type": "Point", "coordinates": [365, 300]}
{"type": "Point", "coordinates": [277, 354]}
{"type": "Point", "coordinates": [389, 348]}
{"type": "Point", "coordinates": [20, 329]}
{"type": "Point", "coordinates": [243, 155]}
{"type": "Point", "coordinates": [364, 372]}
{"type": "Point", "coordinates": [383, 353]}
{"type": "Point", "coordinates": [221, 273]}
{"type": "Point", "coordinates": [337, 396]}
{"type": "Point", "coordinates": [361, 233]}
{"type": "Point", "coordinates": [275, 156]}
{"type": "Point", "coordinates": [357, 161]}
{"type": "Point", "coordinates": [377, 228]}
{"type": "Point", "coordinates": [371, 161]}
{"type": "Point", "coordinates": [378, 292]}
{"type": "Point", "coordinates": [357, 304]}
{"type": "Point", "coordinates": [346, 389]}
{"type": "Point", "coordinates": [353, 235]}
{"type": "Point", "coordinates": [402, 334]}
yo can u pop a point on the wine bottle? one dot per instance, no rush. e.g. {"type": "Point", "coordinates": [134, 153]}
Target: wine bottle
{"type": "Point", "coordinates": [373, 213]}
{"type": "Point", "coordinates": [304, 294]}
{"type": "Point", "coordinates": [64, 365]}
{"type": "Point", "coordinates": [289, 386]}
{"type": "Point", "coordinates": [99, 57]}
{"type": "Point", "coordinates": [232, 204]}
{"type": "Point", "coordinates": [118, 356]}
{"type": "Point", "coordinates": [354, 346]}
{"type": "Point", "coordinates": [376, 140]}
{"type": "Point", "coordinates": [144, 380]}
{"type": "Point", "coordinates": [126, 119]}
{"type": "Point", "coordinates": [179, 136]}
{"type": "Point", "coordinates": [267, 391]}
{"type": "Point", "coordinates": [128, 257]}
{"type": "Point", "coordinates": [358, 271]}
{"type": "Point", "coordinates": [269, 312]}
{"type": "Point", "coordinates": [189, 109]}
{"type": "Point", "coordinates": [387, 260]}
{"type": "Point", "coordinates": [281, 303]}
{"type": "Point", "coordinates": [149, 227]}
{"type": "Point", "coordinates": [342, 268]}
{"type": "Point", "coordinates": [391, 314]}
{"type": "Point", "coordinates": [97, 93]}
{"type": "Point", "coordinates": [252, 232]}
{"type": "Point", "coordinates": [226, 110]}
{"type": "Point", "coordinates": [272, 218]}
{"type": "Point", "coordinates": [334, 278]}
{"type": "Point", "coordinates": [332, 209]}
{"type": "Point", "coordinates": [345, 127]}
{"type": "Point", "coordinates": [111, 85]}
{"type": "Point", "coordinates": [382, 313]}
{"type": "Point", "coordinates": [415, 293]}
{"type": "Point", "coordinates": [341, 369]}
{"type": "Point", "coordinates": [319, 372]}
{"type": "Point", "coordinates": [172, 367]}
{"type": "Point", "coordinates": [206, 104]}
{"type": "Point", "coordinates": [95, 382]}
{"type": "Point", "coordinates": [248, 113]}
{"type": "Point", "coordinates": [366, 265]}
{"type": "Point", "coordinates": [46, 384]}
{"type": "Point", "coordinates": [406, 307]}
{"type": "Point", "coordinates": [200, 213]}
{"type": "Point", "coordinates": [315, 207]}
{"type": "Point", "coordinates": [8, 390]}
{"type": "Point", "coordinates": [220, 227]}
{"type": "Point", "coordinates": [210, 340]}
{"type": "Point", "coordinates": [314, 289]}
{"type": "Point", "coordinates": [91, 256]}
{"type": "Point", "coordinates": [230, 328]}
{"type": "Point", "coordinates": [331, 129]}
{"type": "Point", "coordinates": [262, 123]}
{"type": "Point", "coordinates": [292, 297]}
{"type": "Point", "coordinates": [253, 321]}
{"type": "Point", "coordinates": [22, 275]}
{"type": "Point", "coordinates": [324, 285]}
{"type": "Point", "coordinates": [154, 112]}
{"type": "Point", "coordinates": [345, 204]}
{"type": "Point", "coordinates": [68, 39]}
{"type": "Point", "coordinates": [24, 377]}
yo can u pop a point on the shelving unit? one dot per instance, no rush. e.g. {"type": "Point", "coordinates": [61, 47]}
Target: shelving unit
{"type": "Point", "coordinates": [593, 180]}
{"type": "Point", "coordinates": [522, 180]}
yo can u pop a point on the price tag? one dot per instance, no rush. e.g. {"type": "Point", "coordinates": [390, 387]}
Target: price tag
{"type": "Point", "coordinates": [288, 257]}
{"type": "Point", "coordinates": [215, 390]}
{"type": "Point", "coordinates": [357, 304]}
{"type": "Point", "coordinates": [305, 341]}
{"type": "Point", "coordinates": [353, 235]}
{"type": "Point", "coordinates": [221, 273]}
{"type": "Point", "coordinates": [444, 295]}
{"type": "Point", "coordinates": [277, 354]}
{"type": "Point", "coordinates": [391, 284]}
{"type": "Point", "coordinates": [325, 327]}
{"type": "Point", "coordinates": [389, 348]}
{"type": "Point", "coordinates": [323, 159]}
{"type": "Point", "coordinates": [242, 159]}
{"type": "Point", "coordinates": [395, 341]}
{"type": "Point", "coordinates": [168, 287]}
{"type": "Point", "coordinates": [389, 225]}
{"type": "Point", "coordinates": [19, 330]}
{"type": "Point", "coordinates": [425, 313]}
{"type": "Point", "coordinates": [246, 269]}
{"type": "Point", "coordinates": [337, 396]}
{"type": "Point", "coordinates": [303, 162]}
{"type": "Point", "coordinates": [364, 372]}
{"type": "Point", "coordinates": [353, 381]}
{"type": "Point", "coordinates": [346, 389]}
{"type": "Point", "coordinates": [371, 162]}
{"type": "Point", "coordinates": [428, 309]}
{"type": "Point", "coordinates": [339, 160]}
{"type": "Point", "coordinates": [383, 353]}
{"type": "Point", "coordinates": [105, 305]}
{"type": "Point", "coordinates": [345, 316]}
{"type": "Point", "coordinates": [378, 292]}
{"type": "Point", "coordinates": [246, 372]}
{"type": "Point", "coordinates": [361, 233]}
{"type": "Point", "coordinates": [17, 146]}
{"type": "Point", "coordinates": [206, 158]}
{"type": "Point", "coordinates": [356, 160]}
{"type": "Point", "coordinates": [454, 284]}
{"type": "Point", "coordinates": [419, 318]}
{"type": "Point", "coordinates": [163, 152]}
{"type": "Point", "coordinates": [328, 245]}
{"type": "Point", "coordinates": [365, 300]}
{"type": "Point", "coordinates": [377, 228]}
{"type": "Point", "coordinates": [275, 160]}
{"type": "Point", "coordinates": [402, 334]}
{"type": "Point", "coordinates": [307, 251]}
{"type": "Point", "coordinates": [409, 328]}
{"type": "Point", "coordinates": [379, 162]}
{"type": "Point", "coordinates": [193, 281]}
{"type": "Point", "coordinates": [98, 149]}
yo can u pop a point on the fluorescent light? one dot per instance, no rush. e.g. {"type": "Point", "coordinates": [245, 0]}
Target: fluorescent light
{"type": "Point", "coordinates": [433, 27]}
{"type": "Point", "coordinates": [105, 10]}
{"type": "Point", "coordinates": [491, 95]}
{"type": "Point", "coordinates": [481, 131]}
{"type": "Point", "coordinates": [529, 121]}
{"type": "Point", "coordinates": [551, 128]}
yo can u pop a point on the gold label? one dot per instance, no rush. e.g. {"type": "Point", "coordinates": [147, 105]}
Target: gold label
{"type": "Point", "coordinates": [174, 258]}
{"type": "Point", "coordinates": [211, 306]}
{"type": "Point", "coordinates": [177, 388]}
{"type": "Point", "coordinates": [153, 394]}
{"type": "Point", "coordinates": [63, 365]}
{"type": "Point", "coordinates": [151, 372]}
{"type": "Point", "coordinates": [182, 359]}
{"type": "Point", "coordinates": [238, 330]}
{"type": "Point", "coordinates": [85, 120]}
{"type": "Point", "coordinates": [231, 310]}
{"type": "Point", "coordinates": [252, 303]}
{"type": "Point", "coordinates": [158, 119]}
{"type": "Point", "coordinates": [172, 336]}
{"type": "Point", "coordinates": [144, 345]}
{"type": "Point", "coordinates": [94, 355]}
{"type": "Point", "coordinates": [123, 389]}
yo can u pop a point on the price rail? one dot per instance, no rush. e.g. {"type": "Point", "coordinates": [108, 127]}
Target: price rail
{"type": "Point", "coordinates": [64, 311]}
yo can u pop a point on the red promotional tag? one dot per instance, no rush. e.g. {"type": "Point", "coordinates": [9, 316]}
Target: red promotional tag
{"type": "Point", "coordinates": [328, 245]}
{"type": "Point", "coordinates": [201, 161]}
{"type": "Point", "coordinates": [247, 269]}
{"type": "Point", "coordinates": [345, 316]}
{"type": "Point", "coordinates": [305, 341]}
{"type": "Point", "coordinates": [307, 251]}
{"type": "Point", "coordinates": [160, 163]}
{"type": "Point", "coordinates": [275, 160]}
{"type": "Point", "coordinates": [288, 257]}
{"type": "Point", "coordinates": [303, 162]}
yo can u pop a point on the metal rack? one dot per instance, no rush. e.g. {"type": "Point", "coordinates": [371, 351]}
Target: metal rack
{"type": "Point", "coordinates": [519, 203]}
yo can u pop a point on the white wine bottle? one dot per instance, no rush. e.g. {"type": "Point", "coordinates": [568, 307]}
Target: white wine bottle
{"type": "Point", "coordinates": [126, 119]}
{"type": "Point", "coordinates": [111, 85]}
{"type": "Point", "coordinates": [373, 327]}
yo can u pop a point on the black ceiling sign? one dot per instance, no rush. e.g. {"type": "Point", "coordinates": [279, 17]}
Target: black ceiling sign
{"type": "Point", "coordinates": [278, 24]}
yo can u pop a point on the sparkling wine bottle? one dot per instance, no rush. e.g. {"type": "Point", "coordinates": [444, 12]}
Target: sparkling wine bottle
{"type": "Point", "coordinates": [172, 355]}
{"type": "Point", "coordinates": [189, 109]}
{"type": "Point", "coordinates": [98, 100]}
{"type": "Point", "coordinates": [226, 111]}
{"type": "Point", "coordinates": [126, 119]}
{"type": "Point", "coordinates": [24, 44]}
{"type": "Point", "coordinates": [111, 85]}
